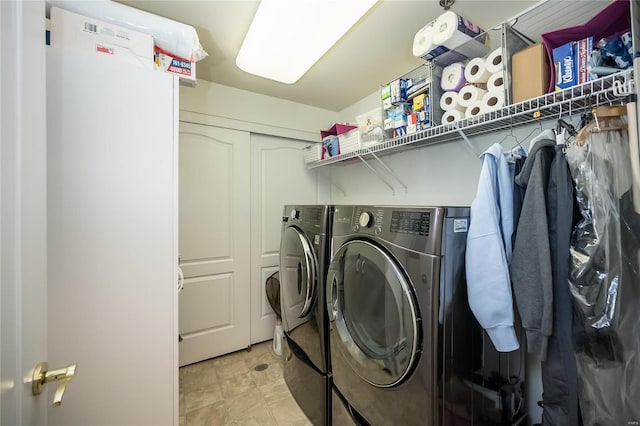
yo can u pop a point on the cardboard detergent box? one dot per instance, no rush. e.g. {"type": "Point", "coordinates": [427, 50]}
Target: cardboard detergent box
{"type": "Point", "coordinates": [74, 31]}
{"type": "Point", "coordinates": [564, 62]}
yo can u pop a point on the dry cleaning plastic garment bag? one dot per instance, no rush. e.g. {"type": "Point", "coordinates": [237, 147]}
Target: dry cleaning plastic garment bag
{"type": "Point", "coordinates": [605, 279]}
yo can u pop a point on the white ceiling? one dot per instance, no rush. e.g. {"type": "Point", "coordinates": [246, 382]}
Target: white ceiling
{"type": "Point", "coordinates": [377, 50]}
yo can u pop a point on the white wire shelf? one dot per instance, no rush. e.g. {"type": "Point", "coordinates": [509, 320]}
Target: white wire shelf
{"type": "Point", "coordinates": [607, 90]}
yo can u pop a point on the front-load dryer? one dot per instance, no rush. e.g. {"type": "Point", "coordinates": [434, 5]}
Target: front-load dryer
{"type": "Point", "coordinates": [405, 348]}
{"type": "Point", "coordinates": [304, 260]}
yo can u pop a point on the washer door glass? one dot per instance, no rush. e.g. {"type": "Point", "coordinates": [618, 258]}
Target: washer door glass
{"type": "Point", "coordinates": [374, 313]}
{"type": "Point", "coordinates": [297, 273]}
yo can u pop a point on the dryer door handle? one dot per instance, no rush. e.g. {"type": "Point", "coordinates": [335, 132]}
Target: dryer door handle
{"type": "Point", "coordinates": [332, 293]}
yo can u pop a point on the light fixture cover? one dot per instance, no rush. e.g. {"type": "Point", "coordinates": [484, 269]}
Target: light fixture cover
{"type": "Point", "coordinates": [287, 37]}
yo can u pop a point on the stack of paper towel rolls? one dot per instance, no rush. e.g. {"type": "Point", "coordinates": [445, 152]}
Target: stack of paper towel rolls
{"type": "Point", "coordinates": [449, 31]}
{"type": "Point", "coordinates": [472, 89]}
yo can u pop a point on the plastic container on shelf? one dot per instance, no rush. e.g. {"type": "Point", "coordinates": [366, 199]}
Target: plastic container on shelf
{"type": "Point", "coordinates": [350, 141]}
{"type": "Point", "coordinates": [312, 153]}
{"type": "Point", "coordinates": [371, 124]}
{"type": "Point", "coordinates": [423, 80]}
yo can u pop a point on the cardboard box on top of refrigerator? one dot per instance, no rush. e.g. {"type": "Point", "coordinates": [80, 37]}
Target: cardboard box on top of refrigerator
{"type": "Point", "coordinates": [74, 31]}
{"type": "Point", "coordinates": [168, 62]}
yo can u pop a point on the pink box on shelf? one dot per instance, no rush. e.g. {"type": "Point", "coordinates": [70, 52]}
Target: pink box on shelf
{"type": "Point", "coordinates": [614, 18]}
{"type": "Point", "coordinates": [336, 129]}
{"type": "Point", "coordinates": [330, 141]}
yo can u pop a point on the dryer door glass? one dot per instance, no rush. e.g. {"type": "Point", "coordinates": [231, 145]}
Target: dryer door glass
{"type": "Point", "coordinates": [297, 275]}
{"type": "Point", "coordinates": [375, 313]}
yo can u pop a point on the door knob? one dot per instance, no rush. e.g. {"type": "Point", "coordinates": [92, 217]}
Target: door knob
{"type": "Point", "coordinates": [42, 375]}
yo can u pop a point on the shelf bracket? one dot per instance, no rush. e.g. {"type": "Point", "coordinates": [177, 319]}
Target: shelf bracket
{"type": "Point", "coordinates": [344, 193]}
{"type": "Point", "coordinates": [466, 139]}
{"type": "Point", "coordinates": [381, 176]}
{"type": "Point", "coordinates": [395, 176]}
{"type": "Point", "coordinates": [378, 175]}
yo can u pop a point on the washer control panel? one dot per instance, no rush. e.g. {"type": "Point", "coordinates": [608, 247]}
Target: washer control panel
{"type": "Point", "coordinates": [308, 216]}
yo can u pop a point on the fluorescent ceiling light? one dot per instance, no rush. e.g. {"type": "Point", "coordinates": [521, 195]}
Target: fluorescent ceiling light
{"type": "Point", "coordinates": [287, 37]}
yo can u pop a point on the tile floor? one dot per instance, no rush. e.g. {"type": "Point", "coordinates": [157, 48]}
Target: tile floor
{"type": "Point", "coordinates": [228, 390]}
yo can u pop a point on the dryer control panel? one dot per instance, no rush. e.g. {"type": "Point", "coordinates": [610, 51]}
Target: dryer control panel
{"type": "Point", "coordinates": [410, 222]}
{"type": "Point", "coordinates": [398, 221]}
{"type": "Point", "coordinates": [365, 218]}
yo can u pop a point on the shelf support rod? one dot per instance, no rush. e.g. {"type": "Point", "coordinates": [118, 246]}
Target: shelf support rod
{"type": "Point", "coordinates": [390, 171]}
{"type": "Point", "coordinates": [375, 172]}
{"type": "Point", "coordinates": [344, 193]}
{"type": "Point", "coordinates": [466, 139]}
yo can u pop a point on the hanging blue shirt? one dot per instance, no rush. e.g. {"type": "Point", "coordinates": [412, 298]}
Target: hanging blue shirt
{"type": "Point", "coordinates": [489, 249]}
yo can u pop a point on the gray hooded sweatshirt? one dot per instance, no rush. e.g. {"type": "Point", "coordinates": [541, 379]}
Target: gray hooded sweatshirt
{"type": "Point", "coordinates": [530, 268]}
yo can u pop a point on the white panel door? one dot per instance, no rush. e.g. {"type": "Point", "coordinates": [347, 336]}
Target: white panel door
{"type": "Point", "coordinates": [23, 260]}
{"type": "Point", "coordinates": [279, 177]}
{"type": "Point", "coordinates": [214, 241]}
{"type": "Point", "coordinates": [112, 240]}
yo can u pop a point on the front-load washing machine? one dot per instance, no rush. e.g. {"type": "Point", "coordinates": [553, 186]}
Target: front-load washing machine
{"type": "Point", "coordinates": [404, 345]}
{"type": "Point", "coordinates": [304, 260]}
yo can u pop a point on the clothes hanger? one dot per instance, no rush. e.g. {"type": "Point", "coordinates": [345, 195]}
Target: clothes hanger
{"type": "Point", "coordinates": [535, 130]}
{"type": "Point", "coordinates": [585, 119]}
{"type": "Point", "coordinates": [548, 134]}
{"type": "Point", "coordinates": [507, 136]}
{"type": "Point", "coordinates": [606, 118]}
{"type": "Point", "coordinates": [604, 112]}
{"type": "Point", "coordinates": [563, 125]}
{"type": "Point", "coordinates": [566, 126]}
{"type": "Point", "coordinates": [510, 134]}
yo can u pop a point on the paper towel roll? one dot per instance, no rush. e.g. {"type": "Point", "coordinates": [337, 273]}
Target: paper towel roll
{"type": "Point", "coordinates": [423, 40]}
{"type": "Point", "coordinates": [493, 100]}
{"type": "Point", "coordinates": [452, 116]}
{"type": "Point", "coordinates": [474, 110]}
{"type": "Point", "coordinates": [496, 82]}
{"type": "Point", "coordinates": [469, 94]}
{"type": "Point", "coordinates": [476, 71]}
{"type": "Point", "coordinates": [452, 77]}
{"type": "Point", "coordinates": [494, 61]}
{"type": "Point", "coordinates": [449, 101]}
{"type": "Point", "coordinates": [456, 33]}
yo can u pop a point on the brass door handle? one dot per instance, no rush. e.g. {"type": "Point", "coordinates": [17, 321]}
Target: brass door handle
{"type": "Point", "coordinates": [42, 375]}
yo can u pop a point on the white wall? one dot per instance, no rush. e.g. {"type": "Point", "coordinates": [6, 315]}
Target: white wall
{"type": "Point", "coordinates": [228, 107]}
{"type": "Point", "coordinates": [436, 175]}
{"type": "Point", "coordinates": [368, 103]}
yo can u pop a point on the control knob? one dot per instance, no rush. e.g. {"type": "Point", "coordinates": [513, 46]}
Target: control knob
{"type": "Point", "coordinates": [366, 219]}
{"type": "Point", "coordinates": [295, 214]}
